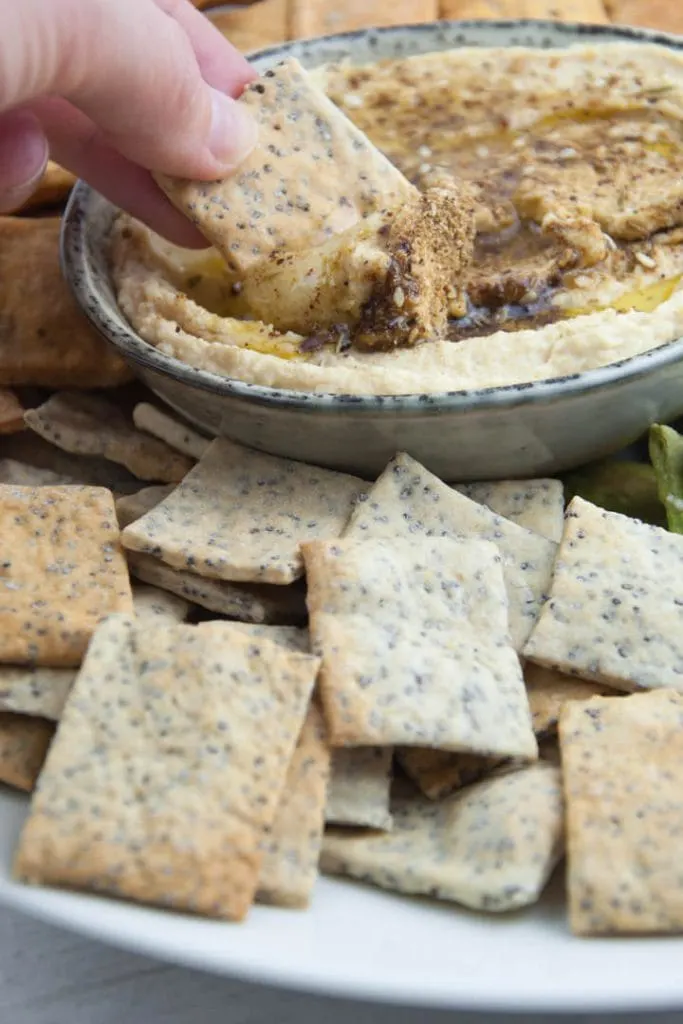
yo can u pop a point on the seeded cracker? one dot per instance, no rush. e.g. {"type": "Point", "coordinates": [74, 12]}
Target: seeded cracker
{"type": "Point", "coordinates": [35, 691]}
{"type": "Point", "coordinates": [130, 507]}
{"type": "Point", "coordinates": [327, 16]}
{"type": "Point", "coordinates": [164, 427]}
{"type": "Point", "coordinates": [24, 743]}
{"type": "Point", "coordinates": [408, 500]}
{"type": "Point", "coordinates": [151, 604]}
{"type": "Point", "coordinates": [549, 690]}
{"type": "Point", "coordinates": [615, 609]}
{"type": "Point", "coordinates": [61, 571]}
{"type": "Point", "coordinates": [622, 762]}
{"type": "Point", "coordinates": [159, 787]}
{"type": "Point", "coordinates": [90, 425]}
{"type": "Point", "coordinates": [45, 340]}
{"type": "Point", "coordinates": [491, 847]}
{"type": "Point", "coordinates": [437, 773]}
{"type": "Point", "coordinates": [359, 788]}
{"type": "Point", "coordinates": [290, 865]}
{"type": "Point", "coordinates": [312, 175]}
{"type": "Point", "coordinates": [537, 505]}
{"type": "Point", "coordinates": [25, 475]}
{"type": "Point", "coordinates": [292, 638]}
{"type": "Point", "coordinates": [248, 602]}
{"type": "Point", "coordinates": [241, 515]}
{"type": "Point", "coordinates": [415, 646]}
{"type": "Point", "coordinates": [11, 413]}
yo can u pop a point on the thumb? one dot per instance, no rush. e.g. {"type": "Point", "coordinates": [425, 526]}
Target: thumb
{"type": "Point", "coordinates": [131, 67]}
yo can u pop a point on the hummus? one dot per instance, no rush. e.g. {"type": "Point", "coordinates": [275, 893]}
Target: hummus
{"type": "Point", "coordinates": [572, 164]}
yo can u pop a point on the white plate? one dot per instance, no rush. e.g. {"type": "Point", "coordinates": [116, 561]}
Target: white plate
{"type": "Point", "coordinates": [362, 943]}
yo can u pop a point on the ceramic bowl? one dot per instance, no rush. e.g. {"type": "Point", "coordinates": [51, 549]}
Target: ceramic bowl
{"type": "Point", "coordinates": [517, 431]}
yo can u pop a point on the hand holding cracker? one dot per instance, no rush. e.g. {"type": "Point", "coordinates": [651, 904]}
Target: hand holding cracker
{"type": "Point", "coordinates": [119, 107]}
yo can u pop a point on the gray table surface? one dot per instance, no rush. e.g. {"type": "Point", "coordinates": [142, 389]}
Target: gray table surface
{"type": "Point", "coordinates": [50, 976]}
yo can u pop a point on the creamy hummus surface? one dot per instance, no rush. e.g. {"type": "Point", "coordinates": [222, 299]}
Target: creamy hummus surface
{"type": "Point", "coordinates": [552, 181]}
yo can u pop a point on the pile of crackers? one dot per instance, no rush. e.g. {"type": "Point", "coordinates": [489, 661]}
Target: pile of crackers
{"type": "Point", "coordinates": [223, 672]}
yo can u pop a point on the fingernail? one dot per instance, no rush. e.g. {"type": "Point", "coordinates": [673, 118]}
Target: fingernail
{"type": "Point", "coordinates": [233, 131]}
{"type": "Point", "coordinates": [14, 198]}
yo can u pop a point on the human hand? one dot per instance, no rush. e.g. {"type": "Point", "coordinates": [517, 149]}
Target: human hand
{"type": "Point", "coordinates": [114, 89]}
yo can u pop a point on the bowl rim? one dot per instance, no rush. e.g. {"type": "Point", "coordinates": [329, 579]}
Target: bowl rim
{"type": "Point", "coordinates": [78, 271]}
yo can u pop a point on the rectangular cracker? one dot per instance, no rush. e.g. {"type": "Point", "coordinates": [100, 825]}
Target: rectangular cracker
{"type": "Point", "coordinates": [45, 340]}
{"type": "Point", "coordinates": [615, 608]}
{"type": "Point", "coordinates": [360, 785]}
{"type": "Point", "coordinates": [622, 761]}
{"type": "Point", "coordinates": [171, 431]}
{"type": "Point", "coordinates": [54, 188]}
{"type": "Point", "coordinates": [666, 15]}
{"type": "Point", "coordinates": [11, 413]}
{"type": "Point", "coordinates": [241, 515]}
{"type": "Point", "coordinates": [24, 743]}
{"type": "Point", "coordinates": [590, 11]}
{"type": "Point", "coordinates": [91, 425]}
{"type": "Point", "coordinates": [161, 791]}
{"type": "Point", "coordinates": [290, 864]}
{"type": "Point", "coordinates": [255, 25]}
{"type": "Point", "coordinates": [473, 848]}
{"type": "Point", "coordinates": [324, 17]}
{"type": "Point", "coordinates": [61, 571]}
{"type": "Point", "coordinates": [415, 646]}
{"type": "Point", "coordinates": [407, 500]}
{"type": "Point", "coordinates": [40, 692]}
{"type": "Point", "coordinates": [130, 507]}
{"type": "Point", "coordinates": [292, 638]}
{"type": "Point", "coordinates": [311, 175]}
{"type": "Point", "coordinates": [248, 602]}
{"type": "Point", "coordinates": [438, 773]}
{"type": "Point", "coordinates": [151, 604]}
{"type": "Point", "coordinates": [549, 690]}
{"type": "Point", "coordinates": [24, 475]}
{"type": "Point", "coordinates": [537, 505]}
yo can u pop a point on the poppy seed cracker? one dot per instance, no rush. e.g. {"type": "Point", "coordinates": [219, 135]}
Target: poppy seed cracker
{"type": "Point", "coordinates": [549, 690]}
{"type": "Point", "coordinates": [248, 602]}
{"type": "Point", "coordinates": [438, 773]}
{"type": "Point", "coordinates": [311, 175]}
{"type": "Point", "coordinates": [615, 608]}
{"type": "Point", "coordinates": [167, 767]}
{"type": "Point", "coordinates": [360, 785]}
{"type": "Point", "coordinates": [41, 692]}
{"type": "Point", "coordinates": [241, 515]}
{"type": "Point", "coordinates": [414, 639]}
{"type": "Point", "coordinates": [151, 604]}
{"type": "Point", "coordinates": [536, 505]}
{"type": "Point", "coordinates": [622, 763]}
{"type": "Point", "coordinates": [290, 864]}
{"type": "Point", "coordinates": [85, 424]}
{"type": "Point", "coordinates": [408, 500]}
{"type": "Point", "coordinates": [130, 507]}
{"type": "Point", "coordinates": [490, 847]}
{"type": "Point", "coordinates": [61, 571]}
{"type": "Point", "coordinates": [24, 743]}
{"type": "Point", "coordinates": [172, 432]}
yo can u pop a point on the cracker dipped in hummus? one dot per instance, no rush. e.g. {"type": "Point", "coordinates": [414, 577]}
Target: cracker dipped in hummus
{"type": "Point", "coordinates": [490, 217]}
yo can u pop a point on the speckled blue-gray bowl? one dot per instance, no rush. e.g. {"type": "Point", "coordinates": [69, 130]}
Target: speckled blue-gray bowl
{"type": "Point", "coordinates": [522, 430]}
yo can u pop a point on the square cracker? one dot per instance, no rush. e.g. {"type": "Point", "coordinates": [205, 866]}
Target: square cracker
{"type": "Point", "coordinates": [325, 17]}
{"type": "Point", "coordinates": [171, 431]}
{"type": "Point", "coordinates": [160, 787]}
{"type": "Point", "coordinates": [622, 762]}
{"type": "Point", "coordinates": [61, 571]}
{"type": "Point", "coordinates": [474, 847]}
{"type": "Point", "coordinates": [91, 425]}
{"type": "Point", "coordinates": [549, 690]}
{"type": "Point", "coordinates": [11, 413]}
{"type": "Point", "coordinates": [414, 640]}
{"type": "Point", "coordinates": [290, 864]}
{"type": "Point", "coordinates": [407, 500]}
{"type": "Point", "coordinates": [130, 507]}
{"type": "Point", "coordinates": [40, 692]}
{"type": "Point", "coordinates": [311, 175]}
{"type": "Point", "coordinates": [438, 773]}
{"type": "Point", "coordinates": [12, 471]}
{"type": "Point", "coordinates": [45, 340]}
{"type": "Point", "coordinates": [247, 602]}
{"type": "Point", "coordinates": [537, 505]}
{"type": "Point", "coordinates": [292, 638]}
{"type": "Point", "coordinates": [151, 604]}
{"type": "Point", "coordinates": [360, 785]}
{"type": "Point", "coordinates": [615, 608]}
{"type": "Point", "coordinates": [24, 743]}
{"type": "Point", "coordinates": [241, 516]}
